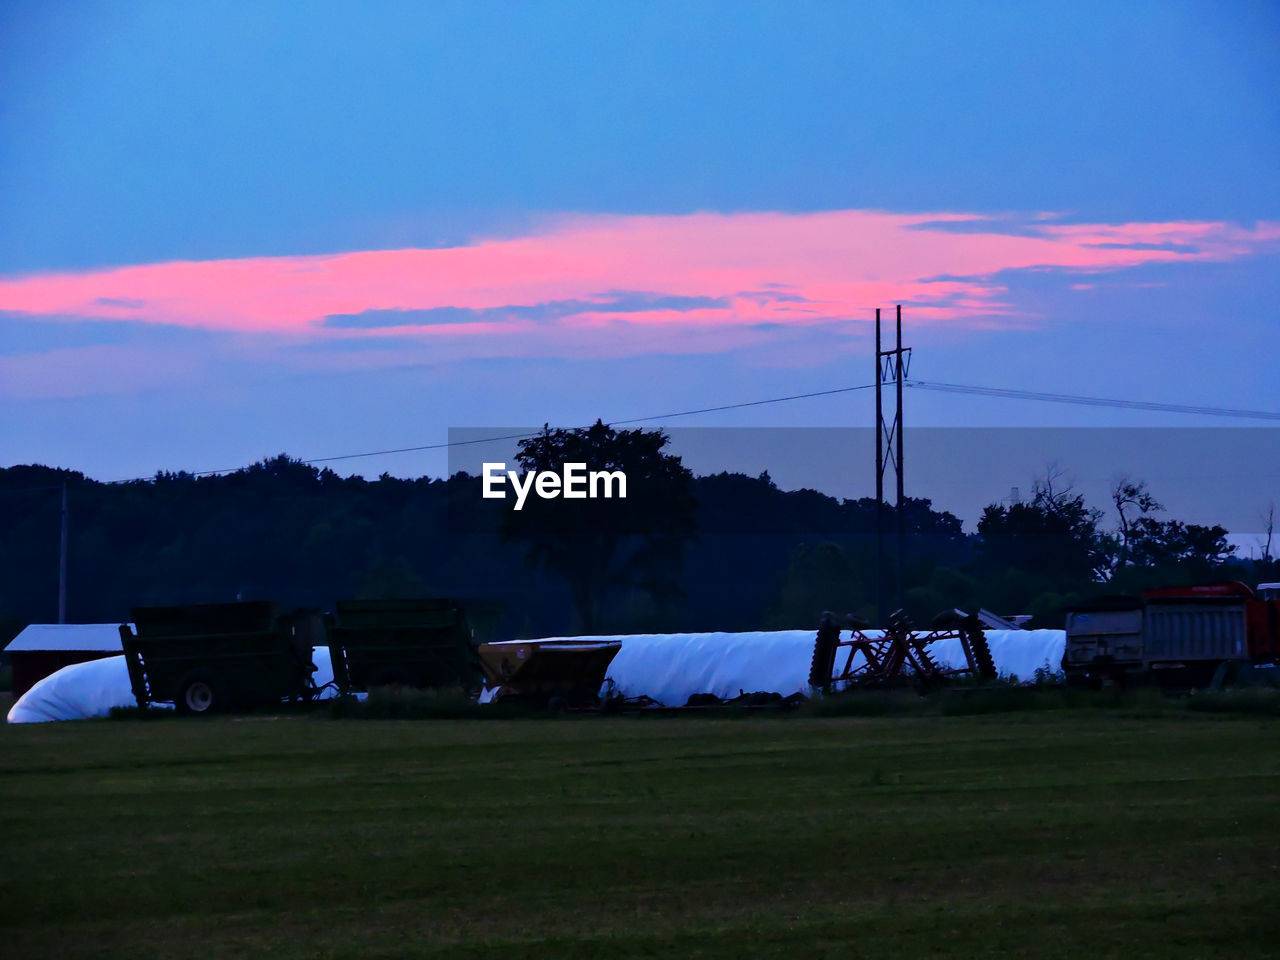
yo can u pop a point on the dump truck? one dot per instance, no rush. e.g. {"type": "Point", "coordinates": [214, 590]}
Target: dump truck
{"type": "Point", "coordinates": [419, 643]}
{"type": "Point", "coordinates": [209, 658]}
{"type": "Point", "coordinates": [1179, 636]}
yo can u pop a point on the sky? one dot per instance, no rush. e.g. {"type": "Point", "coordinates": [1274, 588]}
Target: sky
{"type": "Point", "coordinates": [230, 230]}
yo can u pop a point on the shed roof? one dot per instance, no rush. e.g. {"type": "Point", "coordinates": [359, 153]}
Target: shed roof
{"type": "Point", "coordinates": [68, 636]}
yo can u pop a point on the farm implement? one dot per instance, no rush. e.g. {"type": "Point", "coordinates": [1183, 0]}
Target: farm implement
{"type": "Point", "coordinates": [898, 654]}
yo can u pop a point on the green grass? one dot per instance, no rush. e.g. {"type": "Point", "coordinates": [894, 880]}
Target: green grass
{"type": "Point", "coordinates": [394, 703]}
{"type": "Point", "coordinates": [1260, 700]}
{"type": "Point", "coordinates": [1045, 833]}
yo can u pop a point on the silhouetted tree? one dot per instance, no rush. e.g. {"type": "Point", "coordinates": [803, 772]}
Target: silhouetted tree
{"type": "Point", "coordinates": [1160, 543]}
{"type": "Point", "coordinates": [1147, 542]}
{"type": "Point", "coordinates": [1054, 535]}
{"type": "Point", "coordinates": [1128, 496]}
{"type": "Point", "coordinates": [599, 545]}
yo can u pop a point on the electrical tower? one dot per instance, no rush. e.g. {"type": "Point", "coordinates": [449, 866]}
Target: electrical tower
{"type": "Point", "coordinates": [892, 366]}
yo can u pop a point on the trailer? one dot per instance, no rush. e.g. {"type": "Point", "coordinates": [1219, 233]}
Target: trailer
{"type": "Point", "coordinates": [418, 643]}
{"type": "Point", "coordinates": [1177, 636]}
{"type": "Point", "coordinates": [209, 658]}
{"type": "Point", "coordinates": [562, 674]}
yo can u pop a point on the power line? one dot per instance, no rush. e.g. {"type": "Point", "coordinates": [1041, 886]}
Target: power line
{"type": "Point", "coordinates": [524, 436]}
{"type": "Point", "coordinates": [960, 388]}
{"type": "Point", "coordinates": [379, 453]}
{"type": "Point", "coordinates": [1094, 401]}
{"type": "Point", "coordinates": [749, 403]}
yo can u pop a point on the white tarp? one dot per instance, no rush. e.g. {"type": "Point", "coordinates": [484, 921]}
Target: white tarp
{"type": "Point", "coordinates": [672, 667]}
{"type": "Point", "coordinates": [1017, 653]}
{"type": "Point", "coordinates": [92, 689]}
{"type": "Point", "coordinates": [76, 692]}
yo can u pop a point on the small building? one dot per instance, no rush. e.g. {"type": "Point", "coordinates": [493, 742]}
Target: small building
{"type": "Point", "coordinates": [45, 648]}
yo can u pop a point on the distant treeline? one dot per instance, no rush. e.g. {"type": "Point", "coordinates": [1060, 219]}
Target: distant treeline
{"type": "Point", "coordinates": [762, 557]}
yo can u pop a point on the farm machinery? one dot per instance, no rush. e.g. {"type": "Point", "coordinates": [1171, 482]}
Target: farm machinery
{"type": "Point", "coordinates": [1179, 637]}
{"type": "Point", "coordinates": [899, 654]}
{"type": "Point", "coordinates": [210, 658]}
{"type": "Point", "coordinates": [418, 643]}
{"type": "Point", "coordinates": [563, 674]}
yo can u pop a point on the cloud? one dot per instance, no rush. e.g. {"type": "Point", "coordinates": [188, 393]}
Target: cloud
{"type": "Point", "coordinates": [1011, 226]}
{"type": "Point", "coordinates": [634, 301]}
{"type": "Point", "coordinates": [618, 301]}
{"type": "Point", "coordinates": [400, 317]}
{"type": "Point", "coordinates": [581, 285]}
{"type": "Point", "coordinates": [129, 303]}
{"type": "Point", "coordinates": [771, 294]}
{"type": "Point", "coordinates": [1170, 247]}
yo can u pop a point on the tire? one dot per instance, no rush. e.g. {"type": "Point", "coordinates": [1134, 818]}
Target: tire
{"type": "Point", "coordinates": [824, 653]}
{"type": "Point", "coordinates": [982, 655]}
{"type": "Point", "coordinates": [199, 693]}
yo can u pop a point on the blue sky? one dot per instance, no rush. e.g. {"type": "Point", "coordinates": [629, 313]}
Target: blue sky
{"type": "Point", "coordinates": [1137, 142]}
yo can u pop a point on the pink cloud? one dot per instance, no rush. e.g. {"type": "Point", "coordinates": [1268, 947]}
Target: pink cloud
{"type": "Point", "coordinates": [766, 268]}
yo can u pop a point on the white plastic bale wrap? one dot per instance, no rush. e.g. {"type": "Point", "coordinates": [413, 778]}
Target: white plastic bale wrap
{"type": "Point", "coordinates": [82, 690]}
{"type": "Point", "coordinates": [94, 688]}
{"type": "Point", "coordinates": [1016, 653]}
{"type": "Point", "coordinates": [672, 667]}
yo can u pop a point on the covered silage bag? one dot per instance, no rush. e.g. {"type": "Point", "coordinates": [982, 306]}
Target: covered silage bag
{"type": "Point", "coordinates": [93, 689]}
{"type": "Point", "coordinates": [672, 667]}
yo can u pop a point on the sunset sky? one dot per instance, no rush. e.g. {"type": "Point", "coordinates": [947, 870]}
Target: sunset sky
{"type": "Point", "coordinates": [229, 230]}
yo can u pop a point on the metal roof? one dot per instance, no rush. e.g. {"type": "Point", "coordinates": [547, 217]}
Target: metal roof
{"type": "Point", "coordinates": [68, 636]}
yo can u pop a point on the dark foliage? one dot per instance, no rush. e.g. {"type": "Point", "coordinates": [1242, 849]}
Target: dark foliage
{"type": "Point", "coordinates": [601, 545]}
{"type": "Point", "coordinates": [762, 557]}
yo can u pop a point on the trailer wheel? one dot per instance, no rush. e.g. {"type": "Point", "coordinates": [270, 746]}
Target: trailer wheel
{"type": "Point", "coordinates": [200, 692]}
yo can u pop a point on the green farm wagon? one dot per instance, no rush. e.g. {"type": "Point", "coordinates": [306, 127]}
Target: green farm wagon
{"type": "Point", "coordinates": [207, 658]}
{"type": "Point", "coordinates": [420, 643]}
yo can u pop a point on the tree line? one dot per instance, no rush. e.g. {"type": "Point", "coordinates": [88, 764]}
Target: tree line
{"type": "Point", "coordinates": [682, 552]}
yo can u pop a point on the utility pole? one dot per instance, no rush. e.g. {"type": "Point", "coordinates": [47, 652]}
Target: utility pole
{"type": "Point", "coordinates": [879, 484]}
{"type": "Point", "coordinates": [62, 561]}
{"type": "Point", "coordinates": [891, 365]}
{"type": "Point", "coordinates": [901, 501]}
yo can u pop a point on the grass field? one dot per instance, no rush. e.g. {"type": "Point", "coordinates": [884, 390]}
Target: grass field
{"type": "Point", "coordinates": [1040, 834]}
